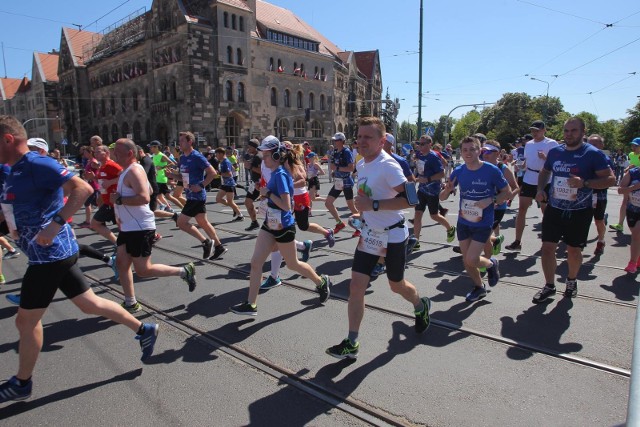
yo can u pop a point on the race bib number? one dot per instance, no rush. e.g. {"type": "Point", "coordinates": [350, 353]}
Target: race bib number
{"type": "Point", "coordinates": [469, 211]}
{"type": "Point", "coordinates": [339, 184]}
{"type": "Point", "coordinates": [185, 179]}
{"type": "Point", "coordinates": [274, 219]}
{"type": "Point", "coordinates": [262, 208]}
{"type": "Point", "coordinates": [420, 166]}
{"type": "Point", "coordinates": [634, 199]}
{"type": "Point", "coordinates": [103, 189]}
{"type": "Point", "coordinates": [562, 191]}
{"type": "Point", "coordinates": [374, 242]}
{"type": "Point", "coordinates": [251, 187]}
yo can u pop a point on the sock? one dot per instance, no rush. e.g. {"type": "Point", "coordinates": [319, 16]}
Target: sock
{"type": "Point", "coordinates": [276, 261]}
{"type": "Point", "coordinates": [419, 308]}
{"type": "Point", "coordinates": [571, 280]}
{"type": "Point", "coordinates": [140, 329]}
{"type": "Point", "coordinates": [129, 301]}
{"type": "Point", "coordinates": [183, 272]}
{"type": "Point", "coordinates": [353, 336]}
{"type": "Point", "coordinates": [551, 285]}
{"type": "Point", "coordinates": [22, 383]}
{"type": "Point", "coordinates": [299, 245]}
{"type": "Point", "coordinates": [207, 240]}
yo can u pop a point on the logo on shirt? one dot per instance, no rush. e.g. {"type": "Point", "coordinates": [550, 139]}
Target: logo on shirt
{"type": "Point", "coordinates": [478, 182]}
{"type": "Point", "coordinates": [560, 166]}
{"type": "Point", "coordinates": [363, 188]}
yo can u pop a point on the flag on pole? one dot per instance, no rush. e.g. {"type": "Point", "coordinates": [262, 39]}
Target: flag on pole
{"type": "Point", "coordinates": [281, 69]}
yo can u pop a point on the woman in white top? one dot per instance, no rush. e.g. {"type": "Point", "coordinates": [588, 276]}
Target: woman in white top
{"type": "Point", "coordinates": [313, 182]}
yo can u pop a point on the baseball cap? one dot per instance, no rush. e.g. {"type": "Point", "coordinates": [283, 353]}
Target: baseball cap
{"type": "Point", "coordinates": [481, 136]}
{"type": "Point", "coordinates": [528, 137]}
{"type": "Point", "coordinates": [636, 141]}
{"type": "Point", "coordinates": [38, 143]}
{"type": "Point", "coordinates": [538, 124]}
{"type": "Point", "coordinates": [338, 137]}
{"type": "Point", "coordinates": [154, 143]}
{"type": "Point", "coordinates": [269, 143]}
{"type": "Point", "coordinates": [311, 154]}
{"type": "Point", "coordinates": [305, 143]}
{"type": "Point", "coordinates": [489, 147]}
{"type": "Point", "coordinates": [254, 143]}
{"type": "Point", "coordinates": [390, 139]}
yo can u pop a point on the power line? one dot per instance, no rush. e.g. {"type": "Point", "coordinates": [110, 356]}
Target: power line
{"type": "Point", "coordinates": [561, 12]}
{"type": "Point", "coordinates": [600, 57]}
{"type": "Point", "coordinates": [36, 17]}
{"type": "Point", "coordinates": [633, 74]}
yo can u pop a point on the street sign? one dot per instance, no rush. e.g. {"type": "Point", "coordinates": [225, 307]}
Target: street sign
{"type": "Point", "coordinates": [64, 142]}
{"type": "Point", "coordinates": [430, 131]}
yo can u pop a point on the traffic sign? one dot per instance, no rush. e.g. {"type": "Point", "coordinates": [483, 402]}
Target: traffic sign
{"type": "Point", "coordinates": [64, 142]}
{"type": "Point", "coordinates": [430, 131]}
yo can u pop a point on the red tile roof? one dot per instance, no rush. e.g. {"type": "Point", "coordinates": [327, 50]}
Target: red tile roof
{"type": "Point", "coordinates": [366, 62]}
{"type": "Point", "coordinates": [9, 87]}
{"type": "Point", "coordinates": [81, 44]}
{"type": "Point", "coordinates": [240, 4]}
{"type": "Point", "coordinates": [48, 66]}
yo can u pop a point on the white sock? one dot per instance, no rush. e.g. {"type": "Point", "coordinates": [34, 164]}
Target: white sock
{"type": "Point", "coordinates": [276, 261]}
{"type": "Point", "coordinates": [130, 301]}
{"type": "Point", "coordinates": [299, 245]}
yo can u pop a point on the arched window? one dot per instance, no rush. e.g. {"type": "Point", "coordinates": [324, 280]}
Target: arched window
{"type": "Point", "coordinates": [322, 103]}
{"type": "Point", "coordinates": [225, 19]}
{"type": "Point", "coordinates": [134, 96]}
{"type": "Point", "coordinates": [295, 67]}
{"type": "Point", "coordinates": [229, 90]}
{"type": "Point", "coordinates": [233, 21]}
{"type": "Point", "coordinates": [281, 128]}
{"type": "Point", "coordinates": [274, 97]}
{"type": "Point", "coordinates": [312, 103]}
{"type": "Point", "coordinates": [299, 100]}
{"type": "Point", "coordinates": [315, 73]}
{"type": "Point", "coordinates": [239, 60]}
{"type": "Point", "coordinates": [298, 128]}
{"type": "Point", "coordinates": [112, 105]}
{"type": "Point", "coordinates": [271, 64]}
{"type": "Point", "coordinates": [174, 90]}
{"type": "Point", "coordinates": [232, 131]}
{"type": "Point", "coordinates": [136, 132]}
{"type": "Point", "coordinates": [287, 98]}
{"type": "Point", "coordinates": [316, 129]}
{"type": "Point", "coordinates": [114, 131]}
{"type": "Point", "coordinates": [104, 109]}
{"type": "Point", "coordinates": [240, 92]}
{"type": "Point", "coordinates": [301, 68]}
{"type": "Point", "coordinates": [123, 103]}
{"type": "Point", "coordinates": [279, 63]}
{"type": "Point", "coordinates": [241, 23]}
{"type": "Point", "coordinates": [322, 76]}
{"type": "Point", "coordinates": [229, 54]}
{"type": "Point", "coordinates": [164, 91]}
{"type": "Point", "coordinates": [125, 129]}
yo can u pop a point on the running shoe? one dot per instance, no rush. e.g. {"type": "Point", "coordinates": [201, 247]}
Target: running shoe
{"type": "Point", "coordinates": [451, 234]}
{"type": "Point", "coordinates": [239, 218]}
{"type": "Point", "coordinates": [493, 272]}
{"type": "Point", "coordinates": [305, 251]}
{"type": "Point", "coordinates": [476, 294]}
{"type": "Point", "coordinates": [167, 208]}
{"type": "Point", "coordinates": [190, 276]}
{"type": "Point", "coordinates": [324, 288]}
{"type": "Point", "coordinates": [2, 279]}
{"type": "Point", "coordinates": [13, 298]}
{"type": "Point", "coordinates": [422, 317]}
{"type": "Point", "coordinates": [544, 294]}
{"type": "Point", "coordinates": [131, 308]}
{"type": "Point", "coordinates": [331, 238]}
{"type": "Point", "coordinates": [618, 227]}
{"type": "Point", "coordinates": [84, 224]}
{"type": "Point", "coordinates": [497, 245]}
{"type": "Point", "coordinates": [345, 350]}
{"type": "Point", "coordinates": [411, 244]}
{"type": "Point", "coordinates": [571, 291]}
{"type": "Point", "coordinates": [457, 249]}
{"type": "Point", "coordinates": [339, 226]}
{"type": "Point", "coordinates": [156, 238]}
{"type": "Point", "coordinates": [631, 268]}
{"type": "Point", "coordinates": [416, 247]}
{"type": "Point", "coordinates": [148, 339]}
{"type": "Point", "coordinates": [175, 218]}
{"type": "Point", "coordinates": [217, 253]}
{"type": "Point", "coordinates": [270, 282]}
{"type": "Point", "coordinates": [11, 390]}
{"type": "Point", "coordinates": [207, 247]}
{"type": "Point", "coordinates": [254, 225]}
{"type": "Point", "coordinates": [114, 267]}
{"type": "Point", "coordinates": [245, 309]}
{"type": "Point", "coordinates": [378, 270]}
{"type": "Point", "coordinates": [11, 254]}
{"type": "Point", "coordinates": [599, 248]}
{"type": "Point", "coordinates": [356, 233]}
{"type": "Point", "coordinates": [515, 246]}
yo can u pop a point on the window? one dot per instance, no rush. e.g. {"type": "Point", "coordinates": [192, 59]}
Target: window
{"type": "Point", "coordinates": [147, 129]}
{"type": "Point", "coordinates": [322, 103]}
{"type": "Point", "coordinates": [240, 92]}
{"type": "Point", "coordinates": [123, 103]}
{"type": "Point", "coordinates": [315, 73]}
{"type": "Point", "coordinates": [281, 128]}
{"type": "Point", "coordinates": [112, 105]}
{"type": "Point", "coordinates": [279, 64]}
{"type": "Point", "coordinates": [295, 68]}
{"type": "Point", "coordinates": [241, 23]}
{"type": "Point", "coordinates": [104, 109]}
{"type": "Point", "coordinates": [233, 21]}
{"type": "Point", "coordinates": [105, 131]}
{"type": "Point", "coordinates": [174, 90]}
{"type": "Point", "coordinates": [316, 129]}
{"type": "Point", "coordinates": [232, 131]}
{"type": "Point", "coordinates": [225, 19]}
{"type": "Point", "coordinates": [95, 110]}
{"type": "Point", "coordinates": [339, 108]}
{"type": "Point", "coordinates": [301, 69]}
{"type": "Point", "coordinates": [164, 91]}
{"type": "Point", "coordinates": [312, 104]}
{"type": "Point", "coordinates": [239, 60]}
{"type": "Point", "coordinates": [299, 100]}
{"type": "Point", "coordinates": [146, 98]}
{"type": "Point", "coordinates": [322, 76]}
{"type": "Point", "coordinates": [136, 132]}
{"type": "Point", "coordinates": [271, 64]}
{"type": "Point", "coordinates": [340, 127]}
{"type": "Point", "coordinates": [134, 96]}
{"type": "Point", "coordinates": [229, 54]}
{"type": "Point", "coordinates": [298, 128]}
{"type": "Point", "coordinates": [114, 132]}
{"type": "Point", "coordinates": [274, 97]}
{"type": "Point", "coordinates": [125, 129]}
{"type": "Point", "coordinates": [287, 98]}
{"type": "Point", "coordinates": [229, 90]}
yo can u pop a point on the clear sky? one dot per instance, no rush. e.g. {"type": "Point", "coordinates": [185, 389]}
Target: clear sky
{"type": "Point", "coordinates": [474, 51]}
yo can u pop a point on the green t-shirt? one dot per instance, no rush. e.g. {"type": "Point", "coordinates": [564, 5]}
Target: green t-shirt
{"type": "Point", "coordinates": [160, 164]}
{"type": "Point", "coordinates": [634, 159]}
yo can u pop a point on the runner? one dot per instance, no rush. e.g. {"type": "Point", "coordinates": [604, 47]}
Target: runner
{"type": "Point", "coordinates": [252, 165]}
{"type": "Point", "coordinates": [630, 187]}
{"type": "Point", "coordinates": [228, 188]}
{"type": "Point", "coordinates": [162, 162]}
{"type": "Point", "coordinates": [107, 177]}
{"type": "Point", "coordinates": [342, 166]}
{"type": "Point", "coordinates": [600, 199]}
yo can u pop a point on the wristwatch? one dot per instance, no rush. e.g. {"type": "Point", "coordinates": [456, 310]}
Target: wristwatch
{"type": "Point", "coordinates": [268, 194]}
{"type": "Point", "coordinates": [119, 200]}
{"type": "Point", "coordinates": [376, 205]}
{"type": "Point", "coordinates": [586, 183]}
{"type": "Point", "coordinates": [58, 219]}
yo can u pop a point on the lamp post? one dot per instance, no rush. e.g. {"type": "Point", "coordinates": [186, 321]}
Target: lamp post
{"type": "Point", "coordinates": [446, 124]}
{"type": "Point", "coordinates": [420, 74]}
{"type": "Point", "coordinates": [546, 105]}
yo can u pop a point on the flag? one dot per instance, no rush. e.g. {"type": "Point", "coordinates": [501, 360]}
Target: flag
{"type": "Point", "coordinates": [325, 78]}
{"type": "Point", "coordinates": [296, 72]}
{"type": "Point", "coordinates": [316, 76]}
{"type": "Point", "coordinates": [280, 69]}
{"type": "Point", "coordinates": [270, 67]}
{"type": "Point", "coordinates": [305, 75]}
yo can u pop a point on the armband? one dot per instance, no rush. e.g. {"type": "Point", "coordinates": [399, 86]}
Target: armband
{"type": "Point", "coordinates": [402, 195]}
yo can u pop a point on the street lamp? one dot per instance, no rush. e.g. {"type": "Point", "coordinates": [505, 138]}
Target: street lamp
{"type": "Point", "coordinates": [546, 105]}
{"type": "Point", "coordinates": [446, 123]}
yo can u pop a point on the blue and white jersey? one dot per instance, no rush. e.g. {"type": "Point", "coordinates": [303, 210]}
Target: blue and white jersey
{"type": "Point", "coordinates": [341, 159]}
{"type": "Point", "coordinates": [406, 169]}
{"type": "Point", "coordinates": [583, 162]}
{"type": "Point", "coordinates": [428, 165]}
{"type": "Point", "coordinates": [192, 170]}
{"type": "Point", "coordinates": [476, 185]}
{"type": "Point", "coordinates": [602, 194]}
{"type": "Point", "coordinates": [31, 197]}
{"type": "Point", "coordinates": [224, 167]}
{"type": "Point", "coordinates": [634, 196]}
{"type": "Point", "coordinates": [280, 183]}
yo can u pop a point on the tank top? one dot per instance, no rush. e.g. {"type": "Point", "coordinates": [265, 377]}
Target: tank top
{"type": "Point", "coordinates": [160, 166]}
{"type": "Point", "coordinates": [133, 218]}
{"type": "Point", "coordinates": [312, 172]}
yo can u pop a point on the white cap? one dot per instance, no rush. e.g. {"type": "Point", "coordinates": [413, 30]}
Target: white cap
{"type": "Point", "coordinates": [390, 138]}
{"type": "Point", "coordinates": [338, 137]}
{"type": "Point", "coordinates": [270, 143]}
{"type": "Point", "coordinates": [38, 143]}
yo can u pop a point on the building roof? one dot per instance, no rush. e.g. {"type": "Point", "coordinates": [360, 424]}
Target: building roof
{"type": "Point", "coordinates": [239, 4]}
{"type": "Point", "coordinates": [9, 87]}
{"type": "Point", "coordinates": [82, 44]}
{"type": "Point", "coordinates": [47, 64]}
{"type": "Point", "coordinates": [366, 62]}
{"type": "Point", "coordinates": [279, 19]}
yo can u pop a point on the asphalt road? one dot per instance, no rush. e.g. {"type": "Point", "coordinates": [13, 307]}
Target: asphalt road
{"type": "Point", "coordinates": [500, 361]}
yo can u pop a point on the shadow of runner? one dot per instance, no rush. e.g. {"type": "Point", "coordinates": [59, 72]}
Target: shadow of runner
{"type": "Point", "coordinates": [18, 408]}
{"type": "Point", "coordinates": [624, 287]}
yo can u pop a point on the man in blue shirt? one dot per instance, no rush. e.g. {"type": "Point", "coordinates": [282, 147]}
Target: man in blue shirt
{"type": "Point", "coordinates": [33, 207]}
{"type": "Point", "coordinates": [341, 165]}
{"type": "Point", "coordinates": [576, 169]}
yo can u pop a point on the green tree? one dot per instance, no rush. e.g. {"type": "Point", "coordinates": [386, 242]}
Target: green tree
{"type": "Point", "coordinates": [610, 130]}
{"type": "Point", "coordinates": [467, 125]}
{"type": "Point", "coordinates": [407, 131]}
{"type": "Point", "coordinates": [552, 107]}
{"type": "Point", "coordinates": [630, 127]}
{"type": "Point", "coordinates": [442, 127]}
{"type": "Point", "coordinates": [509, 118]}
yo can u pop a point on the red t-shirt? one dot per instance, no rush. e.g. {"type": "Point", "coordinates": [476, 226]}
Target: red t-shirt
{"type": "Point", "coordinates": [108, 171]}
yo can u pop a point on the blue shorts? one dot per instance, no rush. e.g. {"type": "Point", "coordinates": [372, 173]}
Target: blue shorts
{"type": "Point", "coordinates": [477, 234]}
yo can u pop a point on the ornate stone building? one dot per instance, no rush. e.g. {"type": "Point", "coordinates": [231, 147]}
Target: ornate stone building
{"type": "Point", "coordinates": [228, 70]}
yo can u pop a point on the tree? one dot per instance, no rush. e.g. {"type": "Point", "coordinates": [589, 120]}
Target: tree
{"type": "Point", "coordinates": [467, 125]}
{"type": "Point", "coordinates": [509, 118]}
{"type": "Point", "coordinates": [630, 126]}
{"type": "Point", "coordinates": [442, 127]}
{"type": "Point", "coordinates": [407, 131]}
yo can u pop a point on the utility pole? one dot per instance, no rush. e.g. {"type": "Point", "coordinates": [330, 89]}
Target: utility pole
{"type": "Point", "coordinates": [546, 105]}
{"type": "Point", "coordinates": [420, 76]}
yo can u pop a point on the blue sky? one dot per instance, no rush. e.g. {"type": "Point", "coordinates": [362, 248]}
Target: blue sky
{"type": "Point", "coordinates": [473, 51]}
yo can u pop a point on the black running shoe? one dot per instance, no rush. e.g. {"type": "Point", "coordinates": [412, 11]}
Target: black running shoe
{"type": "Point", "coordinates": [218, 252]}
{"type": "Point", "coordinates": [544, 294]}
{"type": "Point", "coordinates": [190, 276]}
{"type": "Point", "coordinates": [207, 246]}
{"type": "Point", "coordinates": [324, 288]}
{"type": "Point", "coordinates": [422, 317]}
{"type": "Point", "coordinates": [254, 225]}
{"type": "Point", "coordinates": [572, 289]}
{"type": "Point", "coordinates": [244, 309]}
{"type": "Point", "coordinates": [345, 350]}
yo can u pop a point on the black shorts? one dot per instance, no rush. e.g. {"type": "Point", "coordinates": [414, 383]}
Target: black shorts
{"type": "Point", "coordinates": [286, 235]}
{"type": "Point", "coordinates": [498, 214]}
{"type": "Point", "coordinates": [395, 261]}
{"type": "Point", "coordinates": [104, 214]}
{"type": "Point", "coordinates": [520, 181]}
{"type": "Point", "coordinates": [599, 210]}
{"type": "Point", "coordinates": [153, 201]}
{"type": "Point", "coordinates": [570, 226]}
{"type": "Point", "coordinates": [632, 218]}
{"type": "Point", "coordinates": [302, 218]}
{"type": "Point", "coordinates": [163, 188]}
{"type": "Point", "coordinates": [313, 182]}
{"type": "Point", "coordinates": [348, 192]}
{"type": "Point", "coordinates": [426, 201]}
{"type": "Point", "coordinates": [227, 188]}
{"type": "Point", "coordinates": [137, 243]}
{"type": "Point", "coordinates": [529, 190]}
{"type": "Point", "coordinates": [41, 281]}
{"type": "Point", "coordinates": [194, 207]}
{"type": "Point", "coordinates": [179, 184]}
{"type": "Point", "coordinates": [254, 195]}
{"type": "Point", "coordinates": [92, 200]}
{"type": "Point", "coordinates": [4, 228]}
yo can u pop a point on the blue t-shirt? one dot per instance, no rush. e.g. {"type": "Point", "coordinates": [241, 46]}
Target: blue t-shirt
{"type": "Point", "coordinates": [406, 170]}
{"type": "Point", "coordinates": [602, 194]}
{"type": "Point", "coordinates": [224, 167]}
{"type": "Point", "coordinates": [281, 183]}
{"type": "Point", "coordinates": [583, 162]}
{"type": "Point", "coordinates": [192, 170]}
{"type": "Point", "coordinates": [31, 196]}
{"type": "Point", "coordinates": [520, 158]}
{"type": "Point", "coordinates": [428, 165]}
{"type": "Point", "coordinates": [634, 196]}
{"type": "Point", "coordinates": [341, 159]}
{"type": "Point", "coordinates": [502, 206]}
{"type": "Point", "coordinates": [476, 185]}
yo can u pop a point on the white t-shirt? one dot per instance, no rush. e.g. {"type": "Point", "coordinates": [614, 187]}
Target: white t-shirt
{"type": "Point", "coordinates": [377, 179]}
{"type": "Point", "coordinates": [535, 163]}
